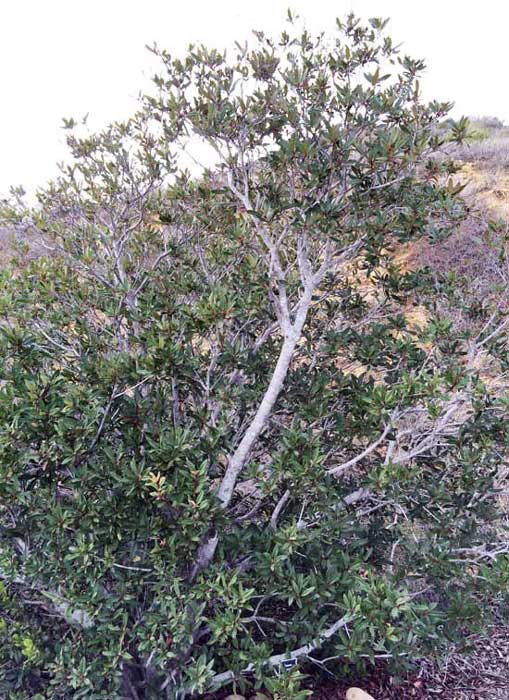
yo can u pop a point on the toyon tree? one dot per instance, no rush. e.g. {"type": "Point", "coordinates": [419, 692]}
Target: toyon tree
{"type": "Point", "coordinates": [227, 455]}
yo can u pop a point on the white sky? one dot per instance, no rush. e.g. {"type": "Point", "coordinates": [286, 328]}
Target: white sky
{"type": "Point", "coordinates": [69, 57]}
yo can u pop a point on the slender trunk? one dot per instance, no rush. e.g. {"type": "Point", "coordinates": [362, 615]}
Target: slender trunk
{"type": "Point", "coordinates": [239, 457]}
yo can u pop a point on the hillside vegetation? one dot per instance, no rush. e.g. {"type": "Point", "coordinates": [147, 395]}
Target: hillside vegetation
{"type": "Point", "coordinates": [253, 423]}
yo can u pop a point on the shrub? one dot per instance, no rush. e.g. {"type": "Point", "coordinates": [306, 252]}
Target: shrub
{"type": "Point", "coordinates": [486, 122]}
{"type": "Point", "coordinates": [195, 490]}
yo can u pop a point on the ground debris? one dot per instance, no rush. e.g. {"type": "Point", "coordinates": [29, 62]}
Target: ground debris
{"type": "Point", "coordinates": [482, 672]}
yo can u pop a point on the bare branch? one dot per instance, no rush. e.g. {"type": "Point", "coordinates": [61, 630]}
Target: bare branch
{"type": "Point", "coordinates": [287, 659]}
{"type": "Point", "coordinates": [342, 468]}
{"type": "Point", "coordinates": [279, 507]}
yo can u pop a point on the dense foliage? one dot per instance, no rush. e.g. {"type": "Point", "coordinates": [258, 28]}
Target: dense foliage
{"type": "Point", "coordinates": [224, 448]}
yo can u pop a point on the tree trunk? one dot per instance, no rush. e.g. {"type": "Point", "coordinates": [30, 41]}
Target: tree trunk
{"type": "Point", "coordinates": [239, 457]}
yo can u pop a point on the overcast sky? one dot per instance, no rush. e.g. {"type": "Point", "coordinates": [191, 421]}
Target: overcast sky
{"type": "Point", "coordinates": [63, 58]}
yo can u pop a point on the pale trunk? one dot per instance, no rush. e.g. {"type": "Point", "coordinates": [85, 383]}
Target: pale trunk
{"type": "Point", "coordinates": [239, 457]}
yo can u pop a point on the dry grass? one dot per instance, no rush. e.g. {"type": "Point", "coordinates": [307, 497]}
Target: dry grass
{"type": "Point", "coordinates": [7, 246]}
{"type": "Point", "coordinates": [493, 150]}
{"type": "Point", "coordinates": [469, 254]}
{"type": "Point", "coordinates": [23, 249]}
